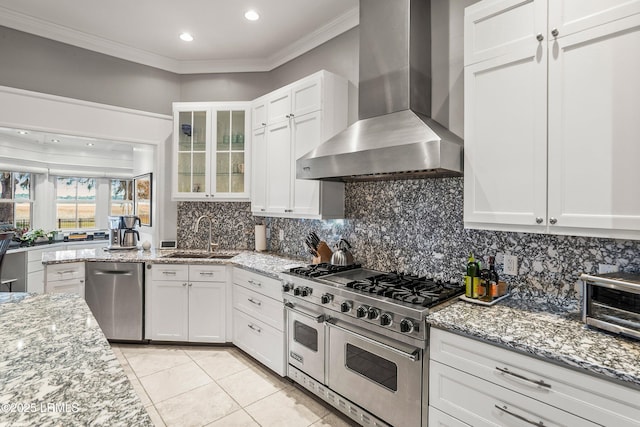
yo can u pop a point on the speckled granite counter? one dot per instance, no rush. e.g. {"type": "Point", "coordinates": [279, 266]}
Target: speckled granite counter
{"type": "Point", "coordinates": [56, 367]}
{"type": "Point", "coordinates": [547, 331]}
{"type": "Point", "coordinates": [264, 263]}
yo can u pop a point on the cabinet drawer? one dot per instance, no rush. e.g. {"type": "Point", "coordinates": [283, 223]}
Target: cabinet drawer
{"type": "Point", "coordinates": [260, 341]}
{"type": "Point", "coordinates": [261, 284]}
{"type": "Point", "coordinates": [437, 418]}
{"type": "Point", "coordinates": [259, 306]}
{"type": "Point", "coordinates": [596, 399]}
{"type": "Point", "coordinates": [170, 272]}
{"type": "Point", "coordinates": [66, 271]}
{"type": "Point", "coordinates": [207, 273]}
{"type": "Point", "coordinates": [71, 286]}
{"type": "Point", "coordinates": [480, 403]}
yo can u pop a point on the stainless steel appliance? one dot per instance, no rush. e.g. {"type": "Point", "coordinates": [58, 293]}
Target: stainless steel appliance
{"type": "Point", "coordinates": [122, 232]}
{"type": "Point", "coordinates": [395, 138]}
{"type": "Point", "coordinates": [114, 292]}
{"type": "Point", "coordinates": [358, 339]}
{"type": "Point", "coordinates": [612, 302]}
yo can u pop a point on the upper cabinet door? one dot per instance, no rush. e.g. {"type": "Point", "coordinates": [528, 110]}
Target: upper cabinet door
{"type": "Point", "coordinates": [306, 96]}
{"type": "Point", "coordinates": [278, 106]}
{"type": "Point", "coordinates": [278, 160]}
{"type": "Point", "coordinates": [259, 171]}
{"type": "Point", "coordinates": [496, 28]}
{"type": "Point", "coordinates": [571, 16]}
{"type": "Point", "coordinates": [259, 113]}
{"type": "Point", "coordinates": [506, 131]}
{"type": "Point", "coordinates": [307, 134]}
{"type": "Point", "coordinates": [594, 99]}
{"type": "Point", "coordinates": [231, 159]}
{"type": "Point", "coordinates": [191, 134]}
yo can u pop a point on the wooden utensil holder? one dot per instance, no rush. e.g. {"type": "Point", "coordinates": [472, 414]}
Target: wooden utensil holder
{"type": "Point", "coordinates": [324, 253]}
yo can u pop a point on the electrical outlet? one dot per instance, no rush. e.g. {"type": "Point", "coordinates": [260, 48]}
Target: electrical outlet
{"type": "Point", "coordinates": [607, 268]}
{"type": "Point", "coordinates": [510, 265]}
{"type": "Point", "coordinates": [281, 235]}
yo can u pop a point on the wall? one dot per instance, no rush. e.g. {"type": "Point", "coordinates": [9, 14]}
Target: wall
{"type": "Point", "coordinates": [42, 65]}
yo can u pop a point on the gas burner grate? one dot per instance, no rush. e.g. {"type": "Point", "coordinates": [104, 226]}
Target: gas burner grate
{"type": "Point", "coordinates": [322, 269]}
{"type": "Point", "coordinates": [410, 289]}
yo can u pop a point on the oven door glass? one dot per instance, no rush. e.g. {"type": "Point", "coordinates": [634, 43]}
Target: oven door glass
{"type": "Point", "coordinates": [305, 339]}
{"type": "Point", "coordinates": [384, 378]}
{"type": "Point", "coordinates": [616, 307]}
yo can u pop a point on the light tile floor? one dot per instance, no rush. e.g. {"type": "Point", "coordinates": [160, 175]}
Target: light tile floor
{"type": "Point", "coordinates": [218, 386]}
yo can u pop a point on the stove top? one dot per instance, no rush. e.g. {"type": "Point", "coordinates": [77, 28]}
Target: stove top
{"type": "Point", "coordinates": [322, 269]}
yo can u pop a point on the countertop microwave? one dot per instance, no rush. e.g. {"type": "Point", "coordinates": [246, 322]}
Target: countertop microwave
{"type": "Point", "coordinates": [612, 302]}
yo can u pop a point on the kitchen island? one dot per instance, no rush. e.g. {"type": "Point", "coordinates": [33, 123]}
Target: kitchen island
{"type": "Point", "coordinates": [57, 368]}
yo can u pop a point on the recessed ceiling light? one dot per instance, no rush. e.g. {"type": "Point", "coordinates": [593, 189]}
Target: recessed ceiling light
{"type": "Point", "coordinates": [252, 15]}
{"type": "Point", "coordinates": [23, 132]}
{"type": "Point", "coordinates": [186, 37]}
{"type": "Point", "coordinates": [89, 144]}
{"type": "Point", "coordinates": [55, 140]}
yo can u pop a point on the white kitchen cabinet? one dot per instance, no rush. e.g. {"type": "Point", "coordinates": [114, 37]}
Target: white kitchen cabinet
{"type": "Point", "coordinates": [259, 170]}
{"type": "Point", "coordinates": [212, 151]}
{"type": "Point", "coordinates": [483, 384]}
{"type": "Point", "coordinates": [259, 113]}
{"type": "Point", "coordinates": [299, 117]}
{"type": "Point", "coordinates": [258, 318]}
{"type": "Point", "coordinates": [549, 137]}
{"type": "Point", "coordinates": [186, 303]}
{"type": "Point", "coordinates": [65, 278]}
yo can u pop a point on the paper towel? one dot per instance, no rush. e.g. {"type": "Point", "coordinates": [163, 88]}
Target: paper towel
{"type": "Point", "coordinates": [261, 237]}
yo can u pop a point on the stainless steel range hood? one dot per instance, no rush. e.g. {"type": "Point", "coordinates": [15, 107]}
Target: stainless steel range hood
{"type": "Point", "coordinates": [395, 137]}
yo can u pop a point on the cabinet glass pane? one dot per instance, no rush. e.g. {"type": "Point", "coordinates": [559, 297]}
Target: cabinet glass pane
{"type": "Point", "coordinates": [199, 172]}
{"type": "Point", "coordinates": [237, 172]}
{"type": "Point", "coordinates": [224, 130]}
{"type": "Point", "coordinates": [237, 130]}
{"type": "Point", "coordinates": [184, 172]}
{"type": "Point", "coordinates": [222, 173]}
{"type": "Point", "coordinates": [199, 131]}
{"type": "Point", "coordinates": [184, 131]}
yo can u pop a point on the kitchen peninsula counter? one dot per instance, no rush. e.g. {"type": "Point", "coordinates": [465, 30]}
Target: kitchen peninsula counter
{"type": "Point", "coordinates": [264, 263]}
{"type": "Point", "coordinates": [547, 331]}
{"type": "Point", "coordinates": [57, 368]}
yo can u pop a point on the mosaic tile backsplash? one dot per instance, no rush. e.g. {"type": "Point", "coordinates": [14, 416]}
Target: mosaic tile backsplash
{"type": "Point", "coordinates": [416, 226]}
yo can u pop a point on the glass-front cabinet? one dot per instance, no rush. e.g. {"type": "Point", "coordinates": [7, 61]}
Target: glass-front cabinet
{"type": "Point", "coordinates": [211, 142]}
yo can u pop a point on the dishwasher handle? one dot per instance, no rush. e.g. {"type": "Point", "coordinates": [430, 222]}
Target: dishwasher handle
{"type": "Point", "coordinates": [112, 272]}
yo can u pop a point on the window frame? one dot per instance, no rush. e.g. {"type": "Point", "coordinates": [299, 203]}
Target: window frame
{"type": "Point", "coordinates": [77, 225]}
{"type": "Point", "coordinates": [15, 202]}
{"type": "Point", "coordinates": [130, 183]}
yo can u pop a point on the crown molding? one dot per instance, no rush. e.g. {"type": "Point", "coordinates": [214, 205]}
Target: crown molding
{"type": "Point", "coordinates": [50, 30]}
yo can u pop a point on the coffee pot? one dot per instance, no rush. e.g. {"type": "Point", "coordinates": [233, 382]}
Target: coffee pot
{"type": "Point", "coordinates": [130, 238]}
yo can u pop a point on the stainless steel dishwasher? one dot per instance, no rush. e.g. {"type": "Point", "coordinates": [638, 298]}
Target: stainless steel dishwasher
{"type": "Point", "coordinates": [114, 292]}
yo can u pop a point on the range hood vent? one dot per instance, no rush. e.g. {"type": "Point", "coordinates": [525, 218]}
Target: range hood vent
{"type": "Point", "coordinates": [395, 137]}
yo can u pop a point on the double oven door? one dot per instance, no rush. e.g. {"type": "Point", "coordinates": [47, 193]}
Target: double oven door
{"type": "Point", "coordinates": [383, 376]}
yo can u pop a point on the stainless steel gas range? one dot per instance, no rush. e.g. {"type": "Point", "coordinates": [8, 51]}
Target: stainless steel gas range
{"type": "Point", "coordinates": [358, 339]}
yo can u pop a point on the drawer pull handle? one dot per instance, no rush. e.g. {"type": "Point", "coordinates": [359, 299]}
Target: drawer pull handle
{"type": "Point", "coordinates": [67, 271]}
{"type": "Point", "coordinates": [254, 283]}
{"type": "Point", "coordinates": [255, 328]}
{"type": "Point", "coordinates": [520, 417]}
{"type": "Point", "coordinates": [206, 273]}
{"type": "Point", "coordinates": [522, 377]}
{"type": "Point", "coordinates": [172, 273]}
{"type": "Point", "coordinates": [252, 301]}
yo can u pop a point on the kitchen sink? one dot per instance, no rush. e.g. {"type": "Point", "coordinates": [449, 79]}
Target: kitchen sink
{"type": "Point", "coordinates": [197, 255]}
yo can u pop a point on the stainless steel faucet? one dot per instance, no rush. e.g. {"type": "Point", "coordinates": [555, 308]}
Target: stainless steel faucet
{"type": "Point", "coordinates": [210, 243]}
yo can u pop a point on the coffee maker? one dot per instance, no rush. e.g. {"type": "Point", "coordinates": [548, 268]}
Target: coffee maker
{"type": "Point", "coordinates": [122, 232]}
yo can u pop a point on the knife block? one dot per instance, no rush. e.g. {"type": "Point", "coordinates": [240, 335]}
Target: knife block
{"type": "Point", "coordinates": [324, 254]}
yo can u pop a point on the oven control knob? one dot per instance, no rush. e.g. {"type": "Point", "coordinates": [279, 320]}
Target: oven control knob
{"type": "Point", "coordinates": [373, 314]}
{"type": "Point", "coordinates": [406, 325]}
{"type": "Point", "coordinates": [386, 319]}
{"type": "Point", "coordinates": [326, 298]}
{"type": "Point", "coordinates": [346, 307]}
{"type": "Point", "coordinates": [287, 287]}
{"type": "Point", "coordinates": [296, 291]}
{"type": "Point", "coordinates": [305, 291]}
{"type": "Point", "coordinates": [362, 311]}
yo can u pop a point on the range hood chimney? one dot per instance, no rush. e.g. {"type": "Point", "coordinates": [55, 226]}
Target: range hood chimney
{"type": "Point", "coordinates": [394, 138]}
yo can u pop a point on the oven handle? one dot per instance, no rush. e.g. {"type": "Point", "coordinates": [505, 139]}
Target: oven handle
{"type": "Point", "coordinates": [318, 318]}
{"type": "Point", "coordinates": [414, 356]}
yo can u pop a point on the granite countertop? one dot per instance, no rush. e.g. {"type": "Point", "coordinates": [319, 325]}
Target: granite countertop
{"type": "Point", "coordinates": [548, 331]}
{"type": "Point", "coordinates": [261, 262]}
{"type": "Point", "coordinates": [57, 368]}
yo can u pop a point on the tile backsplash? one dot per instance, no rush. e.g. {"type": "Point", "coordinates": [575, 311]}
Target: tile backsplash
{"type": "Point", "coordinates": [416, 226]}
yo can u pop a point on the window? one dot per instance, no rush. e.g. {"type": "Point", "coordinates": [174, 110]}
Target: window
{"type": "Point", "coordinates": [121, 202]}
{"type": "Point", "coordinates": [15, 199]}
{"type": "Point", "coordinates": [75, 202]}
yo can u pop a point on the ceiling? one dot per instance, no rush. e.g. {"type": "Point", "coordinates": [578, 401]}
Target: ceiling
{"type": "Point", "coordinates": [146, 31]}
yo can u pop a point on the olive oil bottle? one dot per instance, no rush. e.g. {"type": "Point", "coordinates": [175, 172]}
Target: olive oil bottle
{"type": "Point", "coordinates": [472, 278]}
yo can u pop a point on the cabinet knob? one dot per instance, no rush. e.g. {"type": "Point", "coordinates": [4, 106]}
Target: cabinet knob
{"type": "Point", "coordinates": [288, 210]}
{"type": "Point", "coordinates": [190, 284]}
{"type": "Point", "coordinates": [539, 220]}
{"type": "Point", "coordinates": [555, 32]}
{"type": "Point", "coordinates": [264, 124]}
{"type": "Point", "coordinates": [288, 116]}
{"type": "Point", "coordinates": [292, 115]}
{"type": "Point", "coordinates": [184, 284]}
{"type": "Point", "coordinates": [539, 37]}
{"type": "Point", "coordinates": [206, 195]}
{"type": "Point", "coordinates": [553, 220]}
